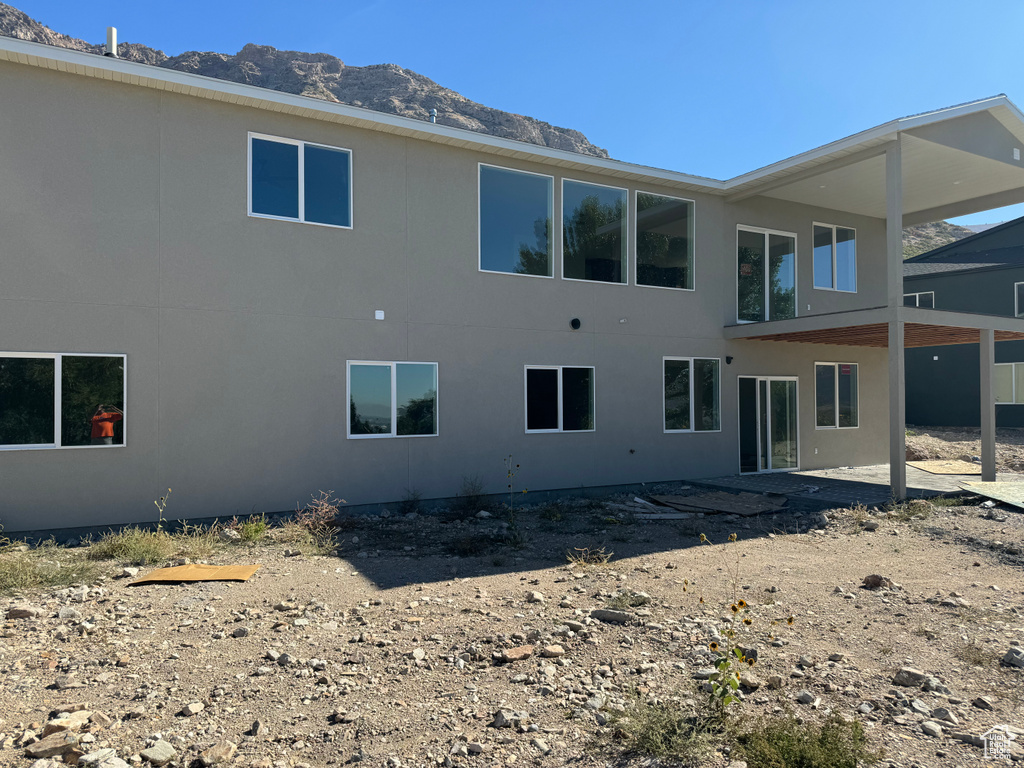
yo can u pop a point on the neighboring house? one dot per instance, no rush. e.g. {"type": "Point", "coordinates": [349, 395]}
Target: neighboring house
{"type": "Point", "coordinates": [983, 273]}
{"type": "Point", "coordinates": [283, 295]}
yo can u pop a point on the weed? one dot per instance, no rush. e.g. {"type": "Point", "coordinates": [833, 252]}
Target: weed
{"type": "Point", "coordinates": [314, 525]}
{"type": "Point", "coordinates": [134, 545]}
{"type": "Point", "coordinates": [161, 506]}
{"type": "Point", "coordinates": [665, 730]}
{"type": "Point", "coordinates": [46, 566]}
{"type": "Point", "coordinates": [514, 537]}
{"type": "Point", "coordinates": [470, 498]}
{"type": "Point", "coordinates": [788, 743]}
{"type": "Point", "coordinates": [627, 598]}
{"type": "Point", "coordinates": [911, 433]}
{"type": "Point", "coordinates": [973, 654]}
{"type": "Point", "coordinates": [551, 513]}
{"type": "Point", "coordinates": [410, 503]}
{"type": "Point", "coordinates": [859, 513]}
{"type": "Point", "coordinates": [588, 556]}
{"type": "Point", "coordinates": [471, 545]}
{"type": "Point", "coordinates": [911, 509]}
{"type": "Point", "coordinates": [511, 470]}
{"type": "Point", "coordinates": [253, 530]}
{"type": "Point", "coordinates": [947, 501]}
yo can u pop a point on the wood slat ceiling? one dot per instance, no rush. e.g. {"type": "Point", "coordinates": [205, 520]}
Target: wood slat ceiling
{"type": "Point", "coordinates": [877, 335]}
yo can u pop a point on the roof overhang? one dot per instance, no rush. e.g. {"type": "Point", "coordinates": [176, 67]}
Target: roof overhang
{"type": "Point", "coordinates": [870, 328]}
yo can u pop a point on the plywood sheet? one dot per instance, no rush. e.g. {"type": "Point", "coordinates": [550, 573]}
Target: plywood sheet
{"type": "Point", "coordinates": [720, 501]}
{"type": "Point", "coordinates": [195, 572]}
{"type": "Point", "coordinates": [1009, 493]}
{"type": "Point", "coordinates": [947, 466]}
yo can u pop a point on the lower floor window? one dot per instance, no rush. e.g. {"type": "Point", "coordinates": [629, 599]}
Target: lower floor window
{"type": "Point", "coordinates": [1009, 383]}
{"type": "Point", "coordinates": [691, 394]}
{"type": "Point", "coordinates": [836, 396]}
{"type": "Point", "coordinates": [61, 400]}
{"type": "Point", "coordinates": [392, 399]}
{"type": "Point", "coordinates": [559, 399]}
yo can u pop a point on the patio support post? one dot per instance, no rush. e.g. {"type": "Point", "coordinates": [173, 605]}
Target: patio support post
{"type": "Point", "coordinates": [894, 273]}
{"type": "Point", "coordinates": [988, 406]}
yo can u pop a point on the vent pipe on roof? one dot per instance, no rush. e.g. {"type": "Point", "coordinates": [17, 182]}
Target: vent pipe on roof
{"type": "Point", "coordinates": [111, 42]}
{"type": "Point", "coordinates": [433, 115]}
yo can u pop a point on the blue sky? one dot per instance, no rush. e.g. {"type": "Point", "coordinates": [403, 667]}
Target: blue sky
{"type": "Point", "coordinates": [709, 87]}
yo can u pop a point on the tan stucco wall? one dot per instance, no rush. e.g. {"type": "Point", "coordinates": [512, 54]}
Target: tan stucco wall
{"type": "Point", "coordinates": [125, 230]}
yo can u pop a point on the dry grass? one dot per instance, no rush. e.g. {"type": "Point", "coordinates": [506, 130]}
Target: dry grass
{"type": "Point", "coordinates": [47, 566]}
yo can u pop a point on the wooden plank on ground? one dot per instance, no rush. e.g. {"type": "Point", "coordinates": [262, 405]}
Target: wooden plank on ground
{"type": "Point", "coordinates": [947, 466]}
{"type": "Point", "coordinates": [1008, 493]}
{"type": "Point", "coordinates": [196, 572]}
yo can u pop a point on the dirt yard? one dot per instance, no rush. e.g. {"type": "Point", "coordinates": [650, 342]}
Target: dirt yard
{"type": "Point", "coordinates": [965, 443]}
{"type": "Point", "coordinates": [431, 640]}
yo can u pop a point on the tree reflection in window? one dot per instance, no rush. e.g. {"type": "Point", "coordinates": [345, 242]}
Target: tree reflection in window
{"type": "Point", "coordinates": [593, 232]}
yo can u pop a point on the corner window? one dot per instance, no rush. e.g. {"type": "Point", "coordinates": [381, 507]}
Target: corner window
{"type": "Point", "coordinates": [1009, 383]}
{"type": "Point", "coordinates": [516, 209]}
{"type": "Point", "coordinates": [61, 400]}
{"type": "Point", "coordinates": [691, 394]}
{"type": "Point", "coordinates": [836, 396]}
{"type": "Point", "coordinates": [300, 181]}
{"type": "Point", "coordinates": [664, 241]}
{"type": "Point", "coordinates": [559, 399]}
{"type": "Point", "coordinates": [925, 299]}
{"type": "Point", "coordinates": [593, 232]}
{"type": "Point", "coordinates": [392, 399]}
{"type": "Point", "coordinates": [835, 258]}
{"type": "Point", "coordinates": [766, 275]}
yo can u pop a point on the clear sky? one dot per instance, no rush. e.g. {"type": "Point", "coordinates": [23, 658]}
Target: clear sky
{"type": "Point", "coordinates": [709, 87]}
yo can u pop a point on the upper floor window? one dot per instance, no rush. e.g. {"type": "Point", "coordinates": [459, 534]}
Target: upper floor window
{"type": "Point", "coordinates": [691, 394]}
{"type": "Point", "coordinates": [299, 181]}
{"type": "Point", "coordinates": [1018, 299]}
{"type": "Point", "coordinates": [61, 400]}
{"type": "Point", "coordinates": [516, 209]}
{"type": "Point", "coordinates": [593, 232]}
{"type": "Point", "coordinates": [664, 241]}
{"type": "Point", "coordinates": [924, 299]}
{"type": "Point", "coordinates": [392, 399]}
{"type": "Point", "coordinates": [835, 258]}
{"type": "Point", "coordinates": [559, 399]}
{"type": "Point", "coordinates": [837, 399]}
{"type": "Point", "coordinates": [766, 275]}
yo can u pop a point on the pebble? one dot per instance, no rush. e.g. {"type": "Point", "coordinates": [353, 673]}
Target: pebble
{"type": "Point", "coordinates": [160, 753]}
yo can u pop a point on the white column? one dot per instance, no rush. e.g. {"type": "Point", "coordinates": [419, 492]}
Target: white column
{"type": "Point", "coordinates": [988, 406]}
{"type": "Point", "coordinates": [894, 274]}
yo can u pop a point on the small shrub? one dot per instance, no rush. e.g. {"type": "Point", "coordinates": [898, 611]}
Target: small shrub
{"type": "Point", "coordinates": [515, 538]}
{"type": "Point", "coordinates": [314, 525]}
{"type": "Point", "coordinates": [551, 513]}
{"type": "Point", "coordinates": [947, 501]}
{"type": "Point", "coordinates": [410, 503]}
{"type": "Point", "coordinates": [787, 743]}
{"type": "Point", "coordinates": [252, 530]}
{"type": "Point", "coordinates": [588, 556]}
{"type": "Point", "coordinates": [47, 566]}
{"type": "Point", "coordinates": [665, 730]}
{"type": "Point", "coordinates": [471, 545]}
{"type": "Point", "coordinates": [470, 498]}
{"type": "Point", "coordinates": [973, 654]}
{"type": "Point", "coordinates": [627, 598]}
{"type": "Point", "coordinates": [134, 546]}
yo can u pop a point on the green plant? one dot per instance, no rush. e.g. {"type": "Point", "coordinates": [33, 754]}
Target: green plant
{"type": "Point", "coordinates": [134, 546]}
{"type": "Point", "coordinates": [947, 501]}
{"type": "Point", "coordinates": [627, 598]}
{"type": "Point", "coordinates": [252, 530]}
{"type": "Point", "coordinates": [161, 506]}
{"type": "Point", "coordinates": [45, 566]}
{"type": "Point", "coordinates": [788, 743]}
{"type": "Point", "coordinates": [551, 513]}
{"type": "Point", "coordinates": [666, 730]}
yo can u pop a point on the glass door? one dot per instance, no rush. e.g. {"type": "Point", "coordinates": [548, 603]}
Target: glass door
{"type": "Point", "coordinates": [766, 275]}
{"type": "Point", "coordinates": [768, 424]}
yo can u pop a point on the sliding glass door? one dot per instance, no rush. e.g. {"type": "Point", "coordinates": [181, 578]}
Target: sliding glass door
{"type": "Point", "coordinates": [768, 424]}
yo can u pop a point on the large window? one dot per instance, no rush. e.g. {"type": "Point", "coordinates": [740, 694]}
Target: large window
{"type": "Point", "coordinates": [516, 209]}
{"type": "Point", "coordinates": [691, 394]}
{"type": "Point", "coordinates": [392, 399]}
{"type": "Point", "coordinates": [925, 299]}
{"type": "Point", "coordinates": [1009, 383]}
{"type": "Point", "coordinates": [664, 241]}
{"type": "Point", "coordinates": [836, 395]}
{"type": "Point", "coordinates": [559, 399]}
{"type": "Point", "coordinates": [61, 400]}
{"type": "Point", "coordinates": [835, 258]}
{"type": "Point", "coordinates": [766, 275]}
{"type": "Point", "coordinates": [593, 232]}
{"type": "Point", "coordinates": [299, 181]}
{"type": "Point", "coordinates": [1018, 299]}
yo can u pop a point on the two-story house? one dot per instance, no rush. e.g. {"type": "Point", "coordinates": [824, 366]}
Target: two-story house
{"type": "Point", "coordinates": [247, 296]}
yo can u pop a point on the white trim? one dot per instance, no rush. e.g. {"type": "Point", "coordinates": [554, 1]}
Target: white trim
{"type": "Point", "coordinates": [393, 366]}
{"type": "Point", "coordinates": [636, 235]}
{"type": "Point", "coordinates": [1016, 300]}
{"type": "Point", "coordinates": [835, 271]}
{"type": "Point", "coordinates": [835, 393]}
{"type": "Point", "coordinates": [917, 298]}
{"type": "Point", "coordinates": [479, 227]}
{"type": "Point", "coordinates": [58, 357]}
{"type": "Point", "coordinates": [625, 235]}
{"type": "Point", "coordinates": [692, 377]}
{"type": "Point", "coordinates": [757, 422]}
{"type": "Point", "coordinates": [767, 282]}
{"type": "Point", "coordinates": [301, 181]}
{"type": "Point", "coordinates": [559, 368]}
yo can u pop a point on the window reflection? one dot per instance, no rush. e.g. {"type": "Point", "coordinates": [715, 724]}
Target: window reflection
{"type": "Point", "coordinates": [516, 209]}
{"type": "Point", "coordinates": [593, 232]}
{"type": "Point", "coordinates": [370, 399]}
{"type": "Point", "coordinates": [664, 241]}
{"type": "Point", "coordinates": [26, 401]}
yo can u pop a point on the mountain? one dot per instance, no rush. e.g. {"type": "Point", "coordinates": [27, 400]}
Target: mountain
{"type": "Point", "coordinates": [380, 87]}
{"type": "Point", "coordinates": [922, 238]}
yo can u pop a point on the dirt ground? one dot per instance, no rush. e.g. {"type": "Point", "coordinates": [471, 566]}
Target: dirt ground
{"type": "Point", "coordinates": [965, 443]}
{"type": "Point", "coordinates": [392, 652]}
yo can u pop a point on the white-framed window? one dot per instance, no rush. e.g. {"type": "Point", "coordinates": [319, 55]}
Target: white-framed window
{"type": "Point", "coordinates": [925, 299]}
{"type": "Point", "coordinates": [515, 214]}
{"type": "Point", "coordinates": [1018, 299]}
{"type": "Point", "coordinates": [559, 398]}
{"type": "Point", "coordinates": [300, 181]}
{"type": "Point", "coordinates": [594, 232]}
{"type": "Point", "coordinates": [1009, 383]}
{"type": "Point", "coordinates": [836, 396]}
{"type": "Point", "coordinates": [765, 275]}
{"type": "Point", "coordinates": [835, 258]}
{"type": "Point", "coordinates": [62, 400]}
{"type": "Point", "coordinates": [391, 399]}
{"type": "Point", "coordinates": [664, 241]}
{"type": "Point", "coordinates": [692, 394]}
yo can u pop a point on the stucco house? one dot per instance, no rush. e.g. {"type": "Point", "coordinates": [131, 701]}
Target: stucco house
{"type": "Point", "coordinates": [984, 274]}
{"type": "Point", "coordinates": [247, 296]}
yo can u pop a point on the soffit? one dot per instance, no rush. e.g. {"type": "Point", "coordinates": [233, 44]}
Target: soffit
{"type": "Point", "coordinates": [877, 335]}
